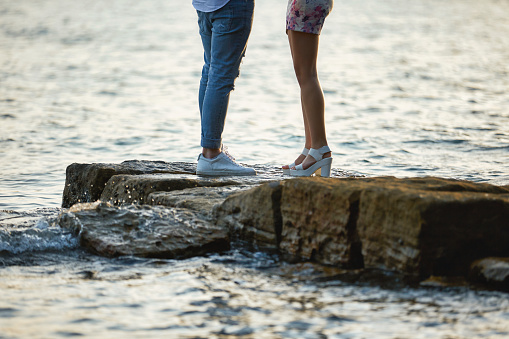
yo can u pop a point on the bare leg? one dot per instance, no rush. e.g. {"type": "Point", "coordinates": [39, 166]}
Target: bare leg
{"type": "Point", "coordinates": [304, 48]}
{"type": "Point", "coordinates": [307, 132]}
{"type": "Point", "coordinates": [307, 143]}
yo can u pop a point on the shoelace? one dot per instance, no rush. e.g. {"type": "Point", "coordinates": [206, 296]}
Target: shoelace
{"type": "Point", "coordinates": [224, 149]}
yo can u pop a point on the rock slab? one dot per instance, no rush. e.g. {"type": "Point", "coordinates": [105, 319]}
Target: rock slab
{"type": "Point", "coordinates": [144, 231]}
{"type": "Point", "coordinates": [418, 226]}
{"type": "Point", "coordinates": [112, 182]}
{"type": "Point", "coordinates": [86, 182]}
{"type": "Point", "coordinates": [148, 208]}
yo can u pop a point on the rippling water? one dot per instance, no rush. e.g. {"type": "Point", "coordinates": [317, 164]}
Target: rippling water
{"type": "Point", "coordinates": [235, 295]}
{"type": "Point", "coordinates": [412, 88]}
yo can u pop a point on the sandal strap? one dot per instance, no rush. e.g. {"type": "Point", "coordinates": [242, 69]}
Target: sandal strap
{"type": "Point", "coordinates": [317, 154]}
{"type": "Point", "coordinates": [305, 152]}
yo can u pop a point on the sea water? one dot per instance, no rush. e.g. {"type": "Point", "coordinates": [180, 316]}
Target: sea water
{"type": "Point", "coordinates": [412, 88]}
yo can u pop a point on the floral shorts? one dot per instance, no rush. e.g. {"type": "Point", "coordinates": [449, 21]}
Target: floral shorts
{"type": "Point", "coordinates": [307, 15]}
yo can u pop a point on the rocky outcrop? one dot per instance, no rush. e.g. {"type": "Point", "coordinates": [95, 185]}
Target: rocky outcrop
{"type": "Point", "coordinates": [418, 226]}
{"type": "Point", "coordinates": [91, 182]}
{"type": "Point", "coordinates": [144, 231]}
{"type": "Point", "coordinates": [147, 208]}
{"type": "Point", "coordinates": [86, 182]}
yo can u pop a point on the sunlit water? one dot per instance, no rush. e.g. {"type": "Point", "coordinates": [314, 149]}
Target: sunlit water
{"type": "Point", "coordinates": [412, 88]}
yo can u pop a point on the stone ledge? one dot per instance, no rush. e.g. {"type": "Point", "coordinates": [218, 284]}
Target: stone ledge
{"type": "Point", "coordinates": [418, 227]}
{"type": "Point", "coordinates": [86, 182]}
{"type": "Point", "coordinates": [144, 231]}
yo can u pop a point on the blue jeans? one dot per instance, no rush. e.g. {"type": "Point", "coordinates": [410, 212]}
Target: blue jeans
{"type": "Point", "coordinates": [224, 34]}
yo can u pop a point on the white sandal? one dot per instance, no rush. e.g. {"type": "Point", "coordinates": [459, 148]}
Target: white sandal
{"type": "Point", "coordinates": [322, 166]}
{"type": "Point", "coordinates": [286, 171]}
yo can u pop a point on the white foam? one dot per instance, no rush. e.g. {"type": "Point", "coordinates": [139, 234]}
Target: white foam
{"type": "Point", "coordinates": [42, 236]}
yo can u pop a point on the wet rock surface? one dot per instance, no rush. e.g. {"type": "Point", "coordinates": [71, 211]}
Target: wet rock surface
{"type": "Point", "coordinates": [135, 189]}
{"type": "Point", "coordinates": [145, 231]}
{"type": "Point", "coordinates": [199, 199]}
{"type": "Point", "coordinates": [85, 182]}
{"type": "Point", "coordinates": [419, 227]}
{"type": "Point", "coordinates": [149, 208]}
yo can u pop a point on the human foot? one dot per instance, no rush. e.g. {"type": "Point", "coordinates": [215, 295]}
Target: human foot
{"type": "Point", "coordinates": [318, 160]}
{"type": "Point", "coordinates": [298, 161]}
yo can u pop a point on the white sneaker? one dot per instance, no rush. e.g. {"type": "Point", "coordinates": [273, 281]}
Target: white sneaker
{"type": "Point", "coordinates": [223, 164]}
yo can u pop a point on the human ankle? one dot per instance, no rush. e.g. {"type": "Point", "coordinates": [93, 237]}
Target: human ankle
{"type": "Point", "coordinates": [210, 153]}
{"type": "Point", "coordinates": [319, 145]}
